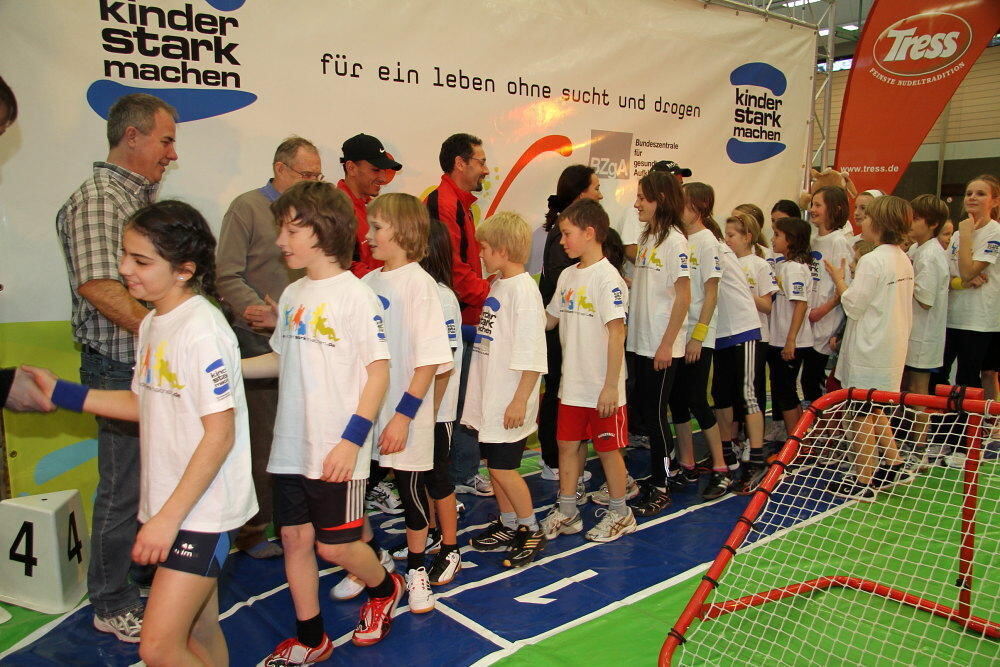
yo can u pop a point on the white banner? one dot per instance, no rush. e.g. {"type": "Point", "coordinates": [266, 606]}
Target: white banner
{"type": "Point", "coordinates": [545, 84]}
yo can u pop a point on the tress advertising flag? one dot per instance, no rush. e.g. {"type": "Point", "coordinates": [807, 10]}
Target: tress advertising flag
{"type": "Point", "coordinates": [911, 58]}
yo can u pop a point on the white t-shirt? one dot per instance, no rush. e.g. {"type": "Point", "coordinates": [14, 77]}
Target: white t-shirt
{"type": "Point", "coordinates": [629, 228]}
{"type": "Point", "coordinates": [930, 287]}
{"type": "Point", "coordinates": [188, 366]}
{"type": "Point", "coordinates": [705, 264]}
{"type": "Point", "coordinates": [879, 309]}
{"type": "Point", "coordinates": [794, 281]}
{"type": "Point", "coordinates": [760, 278]}
{"type": "Point", "coordinates": [417, 337]}
{"type": "Point", "coordinates": [657, 269]}
{"type": "Point", "coordinates": [833, 248]}
{"type": "Point", "coordinates": [510, 339]}
{"type": "Point", "coordinates": [978, 308]}
{"type": "Point", "coordinates": [585, 301]}
{"type": "Point", "coordinates": [737, 312]}
{"type": "Point", "coordinates": [328, 332]}
{"type": "Point", "coordinates": [448, 410]}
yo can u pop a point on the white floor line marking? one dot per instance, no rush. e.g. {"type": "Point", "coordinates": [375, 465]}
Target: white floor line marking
{"type": "Point", "coordinates": [538, 596]}
{"type": "Point", "coordinates": [470, 624]}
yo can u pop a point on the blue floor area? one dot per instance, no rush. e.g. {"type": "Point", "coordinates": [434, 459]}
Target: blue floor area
{"type": "Point", "coordinates": [477, 614]}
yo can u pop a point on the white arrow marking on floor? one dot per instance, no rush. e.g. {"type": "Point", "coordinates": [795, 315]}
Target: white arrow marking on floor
{"type": "Point", "coordinates": [536, 597]}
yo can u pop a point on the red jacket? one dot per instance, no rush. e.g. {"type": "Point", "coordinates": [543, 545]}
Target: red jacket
{"type": "Point", "coordinates": [364, 262]}
{"type": "Point", "coordinates": [452, 205]}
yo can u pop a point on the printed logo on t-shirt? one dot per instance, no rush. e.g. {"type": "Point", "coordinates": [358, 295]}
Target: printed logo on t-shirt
{"type": "Point", "coordinates": [718, 263]}
{"type": "Point", "coordinates": [484, 332]}
{"type": "Point", "coordinates": [684, 260]}
{"type": "Point", "coordinates": [992, 248]}
{"type": "Point", "coordinates": [817, 262]}
{"type": "Point", "coordinates": [574, 300]}
{"type": "Point", "coordinates": [380, 327]}
{"type": "Point", "coordinates": [155, 372]}
{"type": "Point", "coordinates": [220, 378]}
{"type": "Point", "coordinates": [301, 323]}
{"type": "Point", "coordinates": [798, 288]}
{"type": "Point", "coordinates": [648, 259]}
{"type": "Point", "coordinates": [616, 296]}
{"type": "Point", "coordinates": [452, 330]}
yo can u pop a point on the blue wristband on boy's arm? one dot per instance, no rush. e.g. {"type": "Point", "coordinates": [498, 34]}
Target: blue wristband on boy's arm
{"type": "Point", "coordinates": [70, 395]}
{"type": "Point", "coordinates": [357, 430]}
{"type": "Point", "coordinates": [408, 405]}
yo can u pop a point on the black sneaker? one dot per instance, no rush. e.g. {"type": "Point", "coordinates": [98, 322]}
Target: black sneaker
{"type": "Point", "coordinates": [445, 567]}
{"type": "Point", "coordinates": [652, 501]}
{"type": "Point", "coordinates": [851, 488]}
{"type": "Point", "coordinates": [718, 486]}
{"type": "Point", "coordinates": [731, 457]}
{"type": "Point", "coordinates": [527, 544]}
{"type": "Point", "coordinates": [753, 473]}
{"type": "Point", "coordinates": [495, 536]}
{"type": "Point", "coordinates": [704, 465]}
{"type": "Point", "coordinates": [691, 475]}
{"type": "Point", "coordinates": [888, 476]}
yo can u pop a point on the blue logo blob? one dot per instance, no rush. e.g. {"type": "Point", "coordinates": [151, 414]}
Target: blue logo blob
{"type": "Point", "coordinates": [759, 74]}
{"type": "Point", "coordinates": [385, 302]}
{"type": "Point", "coordinates": [191, 103]}
{"type": "Point", "coordinates": [746, 152]}
{"type": "Point", "coordinates": [226, 5]}
{"type": "Point", "coordinates": [492, 303]}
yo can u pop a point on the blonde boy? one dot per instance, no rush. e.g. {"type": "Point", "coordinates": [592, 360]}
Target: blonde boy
{"type": "Point", "coordinates": [501, 403]}
{"type": "Point", "coordinates": [590, 311]}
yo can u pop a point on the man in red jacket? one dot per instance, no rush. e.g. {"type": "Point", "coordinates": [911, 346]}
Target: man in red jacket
{"type": "Point", "coordinates": [366, 166]}
{"type": "Point", "coordinates": [463, 162]}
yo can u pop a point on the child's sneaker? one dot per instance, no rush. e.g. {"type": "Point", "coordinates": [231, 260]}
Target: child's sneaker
{"type": "Point", "coordinates": [433, 546]}
{"type": "Point", "coordinates": [381, 498]}
{"type": "Point", "coordinates": [611, 526]}
{"type": "Point", "coordinates": [291, 653]}
{"type": "Point", "coordinates": [753, 473]}
{"type": "Point", "coordinates": [350, 586]}
{"type": "Point", "coordinates": [556, 523]}
{"type": "Point", "coordinates": [477, 486]}
{"type": "Point", "coordinates": [126, 627]}
{"type": "Point", "coordinates": [418, 588]}
{"type": "Point", "coordinates": [602, 497]}
{"type": "Point", "coordinates": [445, 567]}
{"type": "Point", "coordinates": [731, 457]}
{"type": "Point", "coordinates": [651, 501]}
{"type": "Point", "coordinates": [494, 536]}
{"type": "Point", "coordinates": [375, 619]}
{"type": "Point", "coordinates": [886, 477]}
{"type": "Point", "coordinates": [549, 474]}
{"type": "Point", "coordinates": [526, 546]}
{"type": "Point", "coordinates": [718, 486]}
{"type": "Point", "coordinates": [851, 488]}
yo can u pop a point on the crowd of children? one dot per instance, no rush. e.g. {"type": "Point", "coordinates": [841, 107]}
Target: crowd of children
{"type": "Point", "coordinates": [368, 372]}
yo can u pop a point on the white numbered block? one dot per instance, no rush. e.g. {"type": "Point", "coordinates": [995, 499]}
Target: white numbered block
{"type": "Point", "coordinates": [44, 551]}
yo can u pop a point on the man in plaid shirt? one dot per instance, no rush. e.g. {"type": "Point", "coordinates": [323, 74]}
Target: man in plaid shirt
{"type": "Point", "coordinates": [105, 319]}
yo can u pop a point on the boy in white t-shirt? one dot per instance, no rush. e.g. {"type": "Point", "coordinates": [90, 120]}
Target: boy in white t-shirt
{"type": "Point", "coordinates": [590, 312]}
{"type": "Point", "coordinates": [330, 355]}
{"type": "Point", "coordinates": [508, 359]}
{"type": "Point", "coordinates": [418, 342]}
{"type": "Point", "coordinates": [925, 350]}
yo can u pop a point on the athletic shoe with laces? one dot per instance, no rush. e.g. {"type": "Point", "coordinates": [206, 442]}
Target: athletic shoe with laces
{"type": "Point", "coordinates": [731, 457]}
{"type": "Point", "coordinates": [581, 493]}
{"type": "Point", "coordinates": [418, 589]}
{"type": "Point", "coordinates": [753, 473]}
{"type": "Point", "coordinates": [556, 523]}
{"type": "Point", "coordinates": [125, 626]}
{"type": "Point", "coordinates": [381, 498]}
{"type": "Point", "coordinates": [433, 546]}
{"type": "Point", "coordinates": [703, 465]}
{"type": "Point", "coordinates": [479, 485]}
{"type": "Point", "coordinates": [651, 500]}
{"type": "Point", "coordinates": [886, 477]}
{"type": "Point", "coordinates": [611, 526]}
{"type": "Point", "coordinates": [691, 475]}
{"type": "Point", "coordinates": [549, 474]}
{"type": "Point", "coordinates": [495, 536]}
{"type": "Point", "coordinates": [350, 586]}
{"type": "Point", "coordinates": [291, 653]}
{"type": "Point", "coordinates": [602, 497]}
{"type": "Point", "coordinates": [718, 486]}
{"type": "Point", "coordinates": [375, 619]}
{"type": "Point", "coordinates": [445, 567]}
{"type": "Point", "coordinates": [851, 488]}
{"type": "Point", "coordinates": [526, 546]}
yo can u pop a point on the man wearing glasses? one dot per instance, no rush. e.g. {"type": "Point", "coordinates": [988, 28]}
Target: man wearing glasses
{"type": "Point", "coordinates": [367, 167]}
{"type": "Point", "coordinates": [251, 278]}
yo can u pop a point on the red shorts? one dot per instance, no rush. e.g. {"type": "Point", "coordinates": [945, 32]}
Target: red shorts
{"type": "Point", "coordinates": [608, 433]}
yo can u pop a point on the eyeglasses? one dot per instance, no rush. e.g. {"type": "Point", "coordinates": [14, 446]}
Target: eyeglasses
{"type": "Point", "coordinates": [480, 160]}
{"type": "Point", "coordinates": [307, 175]}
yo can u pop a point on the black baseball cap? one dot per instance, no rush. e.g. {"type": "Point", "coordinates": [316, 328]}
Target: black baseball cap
{"type": "Point", "coordinates": [671, 168]}
{"type": "Point", "coordinates": [366, 147]}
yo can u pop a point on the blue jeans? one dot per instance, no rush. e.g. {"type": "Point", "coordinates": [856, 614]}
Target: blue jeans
{"type": "Point", "coordinates": [464, 445]}
{"type": "Point", "coordinates": [116, 504]}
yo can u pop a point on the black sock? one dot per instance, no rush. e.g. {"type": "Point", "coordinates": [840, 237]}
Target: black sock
{"type": "Point", "coordinates": [757, 455]}
{"type": "Point", "coordinates": [414, 561]}
{"type": "Point", "coordinates": [447, 548]}
{"type": "Point", "coordinates": [383, 590]}
{"type": "Point", "coordinates": [310, 632]}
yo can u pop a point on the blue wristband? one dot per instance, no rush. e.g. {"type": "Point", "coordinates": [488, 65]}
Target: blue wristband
{"type": "Point", "coordinates": [357, 430]}
{"type": "Point", "coordinates": [70, 395]}
{"type": "Point", "coordinates": [408, 405]}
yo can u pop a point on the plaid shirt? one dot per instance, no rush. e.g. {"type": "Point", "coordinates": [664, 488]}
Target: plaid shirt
{"type": "Point", "coordinates": [90, 227]}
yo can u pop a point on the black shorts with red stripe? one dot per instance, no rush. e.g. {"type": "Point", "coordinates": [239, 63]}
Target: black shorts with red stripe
{"type": "Point", "coordinates": [335, 509]}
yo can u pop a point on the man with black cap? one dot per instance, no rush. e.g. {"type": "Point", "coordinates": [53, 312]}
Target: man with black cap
{"type": "Point", "coordinates": [367, 167]}
{"type": "Point", "coordinates": [251, 278]}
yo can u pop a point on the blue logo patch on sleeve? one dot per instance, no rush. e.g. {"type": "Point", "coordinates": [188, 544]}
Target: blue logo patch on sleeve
{"type": "Point", "coordinates": [220, 377]}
